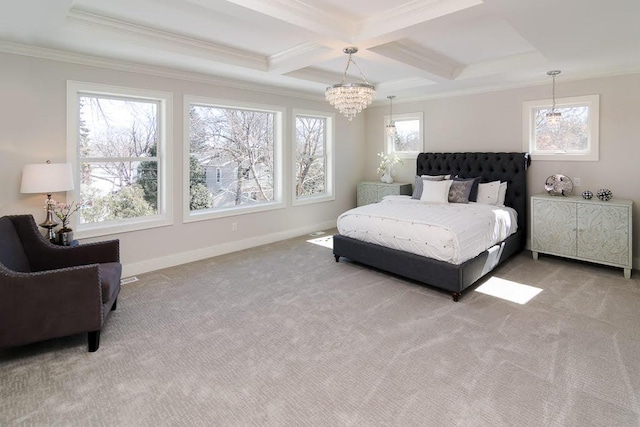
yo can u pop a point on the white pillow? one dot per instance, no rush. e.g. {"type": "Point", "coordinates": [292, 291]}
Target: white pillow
{"type": "Point", "coordinates": [502, 193]}
{"type": "Point", "coordinates": [435, 191]}
{"type": "Point", "coordinates": [488, 192]}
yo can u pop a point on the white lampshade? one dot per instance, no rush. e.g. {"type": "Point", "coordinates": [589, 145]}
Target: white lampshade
{"type": "Point", "coordinates": [47, 178]}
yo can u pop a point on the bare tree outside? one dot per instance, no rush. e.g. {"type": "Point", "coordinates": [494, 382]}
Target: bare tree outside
{"type": "Point", "coordinates": [310, 155]}
{"type": "Point", "coordinates": [118, 142]}
{"type": "Point", "coordinates": [569, 133]}
{"type": "Point", "coordinates": [407, 136]}
{"type": "Point", "coordinates": [236, 149]}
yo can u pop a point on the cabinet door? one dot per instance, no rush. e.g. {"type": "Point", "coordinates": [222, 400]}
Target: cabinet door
{"type": "Point", "coordinates": [603, 233]}
{"type": "Point", "coordinates": [554, 227]}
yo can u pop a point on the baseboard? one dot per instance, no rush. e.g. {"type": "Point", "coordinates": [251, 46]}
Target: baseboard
{"type": "Point", "coordinates": [146, 266]}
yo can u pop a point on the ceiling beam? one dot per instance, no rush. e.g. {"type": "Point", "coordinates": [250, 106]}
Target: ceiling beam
{"type": "Point", "coordinates": [435, 66]}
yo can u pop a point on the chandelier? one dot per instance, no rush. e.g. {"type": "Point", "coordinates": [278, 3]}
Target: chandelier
{"type": "Point", "coordinates": [553, 116]}
{"type": "Point", "coordinates": [350, 98]}
{"type": "Point", "coordinates": [390, 129]}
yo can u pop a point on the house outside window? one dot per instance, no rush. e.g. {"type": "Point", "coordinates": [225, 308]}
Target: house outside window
{"type": "Point", "coordinates": [237, 145]}
{"type": "Point", "coordinates": [407, 142]}
{"type": "Point", "coordinates": [313, 145]}
{"type": "Point", "coordinates": [574, 135]}
{"type": "Point", "coordinates": [119, 144]}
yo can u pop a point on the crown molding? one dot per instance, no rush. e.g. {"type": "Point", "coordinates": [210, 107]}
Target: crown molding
{"type": "Point", "coordinates": [408, 14]}
{"type": "Point", "coordinates": [332, 23]}
{"type": "Point", "coordinates": [300, 56]}
{"type": "Point", "coordinates": [118, 65]}
{"type": "Point", "coordinates": [308, 74]}
{"type": "Point", "coordinates": [214, 51]}
{"type": "Point", "coordinates": [435, 65]}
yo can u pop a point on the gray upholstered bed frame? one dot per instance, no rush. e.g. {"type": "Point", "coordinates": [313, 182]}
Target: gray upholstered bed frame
{"type": "Point", "coordinates": [509, 167]}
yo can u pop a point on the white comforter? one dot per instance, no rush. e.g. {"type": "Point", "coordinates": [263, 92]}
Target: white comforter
{"type": "Point", "coordinates": [453, 232]}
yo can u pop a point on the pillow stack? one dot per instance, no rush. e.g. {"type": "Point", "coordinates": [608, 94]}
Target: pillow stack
{"type": "Point", "coordinates": [444, 189]}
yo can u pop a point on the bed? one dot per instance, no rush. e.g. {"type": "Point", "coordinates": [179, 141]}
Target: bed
{"type": "Point", "coordinates": [451, 277]}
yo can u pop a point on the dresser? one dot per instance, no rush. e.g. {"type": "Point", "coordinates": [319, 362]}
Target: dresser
{"type": "Point", "coordinates": [587, 230]}
{"type": "Point", "coordinates": [374, 191]}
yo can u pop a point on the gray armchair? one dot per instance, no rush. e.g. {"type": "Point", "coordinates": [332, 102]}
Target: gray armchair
{"type": "Point", "coordinates": [49, 291]}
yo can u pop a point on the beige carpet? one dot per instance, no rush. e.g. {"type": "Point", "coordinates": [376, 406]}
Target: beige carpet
{"type": "Point", "coordinates": [282, 335]}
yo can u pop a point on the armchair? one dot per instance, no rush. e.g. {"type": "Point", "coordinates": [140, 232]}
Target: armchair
{"type": "Point", "coordinates": [49, 291]}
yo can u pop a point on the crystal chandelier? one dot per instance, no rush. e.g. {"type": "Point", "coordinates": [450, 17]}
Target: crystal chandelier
{"type": "Point", "coordinates": [553, 116]}
{"type": "Point", "coordinates": [350, 98]}
{"type": "Point", "coordinates": [390, 129]}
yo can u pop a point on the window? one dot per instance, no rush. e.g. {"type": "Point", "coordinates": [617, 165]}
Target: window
{"type": "Point", "coordinates": [313, 157]}
{"type": "Point", "coordinates": [232, 158]}
{"type": "Point", "coordinates": [118, 142]}
{"type": "Point", "coordinates": [572, 136]}
{"type": "Point", "coordinates": [407, 141]}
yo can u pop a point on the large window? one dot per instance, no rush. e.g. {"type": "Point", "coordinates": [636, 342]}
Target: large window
{"type": "Point", "coordinates": [407, 141]}
{"type": "Point", "coordinates": [232, 158]}
{"type": "Point", "coordinates": [313, 157]}
{"type": "Point", "coordinates": [573, 135]}
{"type": "Point", "coordinates": [119, 145]}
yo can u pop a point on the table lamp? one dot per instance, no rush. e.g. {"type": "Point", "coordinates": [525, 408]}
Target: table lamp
{"type": "Point", "coordinates": [47, 178]}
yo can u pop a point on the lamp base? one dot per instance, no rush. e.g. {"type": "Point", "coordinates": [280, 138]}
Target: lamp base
{"type": "Point", "coordinates": [49, 223]}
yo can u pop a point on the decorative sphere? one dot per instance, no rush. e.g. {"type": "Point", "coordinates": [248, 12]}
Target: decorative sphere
{"type": "Point", "coordinates": [604, 194]}
{"type": "Point", "coordinates": [587, 195]}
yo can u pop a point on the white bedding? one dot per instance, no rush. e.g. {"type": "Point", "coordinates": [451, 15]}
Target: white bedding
{"type": "Point", "coordinates": [453, 232]}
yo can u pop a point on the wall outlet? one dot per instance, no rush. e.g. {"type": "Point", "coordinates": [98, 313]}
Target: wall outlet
{"type": "Point", "coordinates": [234, 226]}
{"type": "Point", "coordinates": [576, 182]}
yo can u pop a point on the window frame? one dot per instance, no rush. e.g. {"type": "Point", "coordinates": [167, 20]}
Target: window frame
{"type": "Point", "coordinates": [278, 123]}
{"type": "Point", "coordinates": [528, 142]}
{"type": "Point", "coordinates": [390, 146]}
{"type": "Point", "coordinates": [329, 158]}
{"type": "Point", "coordinates": [164, 216]}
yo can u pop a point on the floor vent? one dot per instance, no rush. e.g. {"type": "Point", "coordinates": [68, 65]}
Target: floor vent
{"type": "Point", "coordinates": [316, 233]}
{"type": "Point", "coordinates": [128, 280]}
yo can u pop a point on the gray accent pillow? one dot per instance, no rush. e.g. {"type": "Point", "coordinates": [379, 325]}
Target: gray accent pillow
{"type": "Point", "coordinates": [460, 190]}
{"type": "Point", "coordinates": [473, 196]}
{"type": "Point", "coordinates": [417, 186]}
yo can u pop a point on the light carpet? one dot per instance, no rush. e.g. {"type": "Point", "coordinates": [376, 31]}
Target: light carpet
{"type": "Point", "coordinates": [282, 335]}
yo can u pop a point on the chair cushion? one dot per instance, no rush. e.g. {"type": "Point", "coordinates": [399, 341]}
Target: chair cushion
{"type": "Point", "coordinates": [110, 273]}
{"type": "Point", "coordinates": [12, 253]}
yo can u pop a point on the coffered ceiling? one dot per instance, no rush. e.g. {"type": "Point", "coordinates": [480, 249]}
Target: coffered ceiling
{"type": "Point", "coordinates": [408, 48]}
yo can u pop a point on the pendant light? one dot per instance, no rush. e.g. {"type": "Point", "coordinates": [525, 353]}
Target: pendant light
{"type": "Point", "coordinates": [553, 116]}
{"type": "Point", "coordinates": [350, 98]}
{"type": "Point", "coordinates": [390, 128]}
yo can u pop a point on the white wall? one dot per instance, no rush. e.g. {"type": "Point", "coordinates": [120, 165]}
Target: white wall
{"type": "Point", "coordinates": [33, 129]}
{"type": "Point", "coordinates": [493, 122]}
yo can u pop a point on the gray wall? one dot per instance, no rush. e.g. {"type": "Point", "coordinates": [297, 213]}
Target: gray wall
{"type": "Point", "coordinates": [493, 122]}
{"type": "Point", "coordinates": [33, 129]}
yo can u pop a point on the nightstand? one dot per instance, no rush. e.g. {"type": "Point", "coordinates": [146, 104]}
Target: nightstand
{"type": "Point", "coordinates": [588, 230]}
{"type": "Point", "coordinates": [374, 191]}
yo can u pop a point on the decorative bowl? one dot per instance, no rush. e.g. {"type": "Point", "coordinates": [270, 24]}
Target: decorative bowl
{"type": "Point", "coordinates": [558, 185]}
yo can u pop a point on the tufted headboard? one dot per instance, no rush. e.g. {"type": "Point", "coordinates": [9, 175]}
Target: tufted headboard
{"type": "Point", "coordinates": [509, 167]}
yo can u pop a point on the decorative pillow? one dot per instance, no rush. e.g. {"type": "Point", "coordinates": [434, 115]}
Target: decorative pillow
{"type": "Point", "coordinates": [435, 191]}
{"type": "Point", "coordinates": [417, 187]}
{"type": "Point", "coordinates": [460, 189]}
{"type": "Point", "coordinates": [488, 192]}
{"type": "Point", "coordinates": [502, 193]}
{"type": "Point", "coordinates": [473, 195]}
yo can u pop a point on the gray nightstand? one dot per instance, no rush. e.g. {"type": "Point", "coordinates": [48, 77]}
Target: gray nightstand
{"type": "Point", "coordinates": [588, 230]}
{"type": "Point", "coordinates": [374, 191]}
